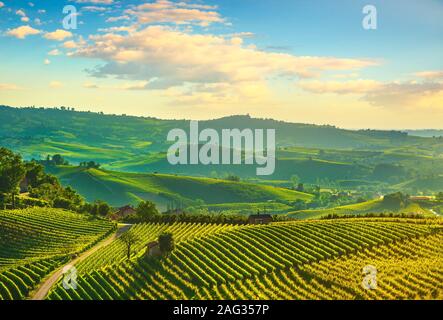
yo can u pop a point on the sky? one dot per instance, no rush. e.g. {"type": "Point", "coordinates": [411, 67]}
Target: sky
{"type": "Point", "coordinates": [298, 61]}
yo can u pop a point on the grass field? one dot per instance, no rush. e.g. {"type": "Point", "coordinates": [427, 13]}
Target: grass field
{"type": "Point", "coordinates": [120, 188]}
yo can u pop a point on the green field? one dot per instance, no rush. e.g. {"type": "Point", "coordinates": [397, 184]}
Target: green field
{"type": "Point", "coordinates": [372, 206]}
{"type": "Point", "coordinates": [347, 159]}
{"type": "Point", "coordinates": [121, 188]}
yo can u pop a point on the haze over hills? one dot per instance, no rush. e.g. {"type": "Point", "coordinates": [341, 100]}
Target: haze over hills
{"type": "Point", "coordinates": [365, 160]}
{"type": "Point", "coordinates": [107, 138]}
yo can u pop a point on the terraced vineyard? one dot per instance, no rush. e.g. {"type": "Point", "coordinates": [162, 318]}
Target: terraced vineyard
{"type": "Point", "coordinates": [116, 252]}
{"type": "Point", "coordinates": [279, 261]}
{"type": "Point", "coordinates": [34, 242]}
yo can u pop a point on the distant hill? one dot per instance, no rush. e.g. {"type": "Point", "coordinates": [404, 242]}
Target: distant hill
{"type": "Point", "coordinates": [316, 154]}
{"type": "Point", "coordinates": [80, 136]}
{"type": "Point", "coordinates": [425, 133]}
{"type": "Point", "coordinates": [371, 206]}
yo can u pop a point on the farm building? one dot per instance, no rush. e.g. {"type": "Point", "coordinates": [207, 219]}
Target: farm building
{"type": "Point", "coordinates": [421, 198]}
{"type": "Point", "coordinates": [123, 212]}
{"type": "Point", "coordinates": [259, 219]}
{"type": "Point", "coordinates": [153, 249]}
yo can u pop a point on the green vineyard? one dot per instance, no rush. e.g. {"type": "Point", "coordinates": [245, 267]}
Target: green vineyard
{"type": "Point", "coordinates": [290, 260]}
{"type": "Point", "coordinates": [34, 242]}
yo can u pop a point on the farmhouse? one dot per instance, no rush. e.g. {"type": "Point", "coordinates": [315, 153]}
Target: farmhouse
{"type": "Point", "coordinates": [153, 249]}
{"type": "Point", "coordinates": [123, 212]}
{"type": "Point", "coordinates": [421, 198]}
{"type": "Point", "coordinates": [259, 219]}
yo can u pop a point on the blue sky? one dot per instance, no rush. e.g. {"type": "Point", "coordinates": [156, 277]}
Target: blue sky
{"type": "Point", "coordinates": [304, 61]}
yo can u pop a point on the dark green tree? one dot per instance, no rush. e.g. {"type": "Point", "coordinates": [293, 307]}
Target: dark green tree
{"type": "Point", "coordinates": [146, 210]}
{"type": "Point", "coordinates": [12, 172]}
{"type": "Point", "coordinates": [129, 238]}
{"type": "Point", "coordinates": [166, 242]}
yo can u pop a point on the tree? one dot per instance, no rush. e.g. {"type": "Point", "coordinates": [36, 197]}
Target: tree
{"type": "Point", "coordinates": [146, 210]}
{"type": "Point", "coordinates": [12, 172]}
{"type": "Point", "coordinates": [166, 242]}
{"type": "Point", "coordinates": [295, 180]}
{"type": "Point", "coordinates": [300, 187]}
{"type": "Point", "coordinates": [58, 160]}
{"type": "Point", "coordinates": [232, 177]}
{"type": "Point", "coordinates": [103, 209]}
{"type": "Point", "coordinates": [129, 238]}
{"type": "Point", "coordinates": [34, 173]}
{"type": "Point", "coordinates": [439, 196]}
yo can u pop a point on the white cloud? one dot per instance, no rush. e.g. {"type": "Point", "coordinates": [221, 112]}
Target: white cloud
{"type": "Point", "coordinates": [430, 75]}
{"type": "Point", "coordinates": [22, 32]}
{"type": "Point", "coordinates": [47, 61]}
{"type": "Point", "coordinates": [24, 19]}
{"type": "Point", "coordinates": [54, 52]}
{"type": "Point", "coordinates": [30, 4]}
{"type": "Point", "coordinates": [2, 4]}
{"type": "Point", "coordinates": [164, 11]}
{"type": "Point", "coordinates": [119, 18]}
{"type": "Point", "coordinates": [95, 1]}
{"type": "Point", "coordinates": [93, 9]}
{"type": "Point", "coordinates": [21, 13]}
{"type": "Point", "coordinates": [167, 57]}
{"type": "Point", "coordinates": [385, 94]}
{"type": "Point", "coordinates": [41, 11]}
{"type": "Point", "coordinates": [58, 35]}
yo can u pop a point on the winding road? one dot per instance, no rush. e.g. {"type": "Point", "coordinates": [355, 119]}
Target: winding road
{"type": "Point", "coordinates": [44, 287]}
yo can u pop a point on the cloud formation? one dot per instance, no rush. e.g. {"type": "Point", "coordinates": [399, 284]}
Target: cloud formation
{"type": "Point", "coordinates": [167, 57]}
{"type": "Point", "coordinates": [430, 75]}
{"type": "Point", "coordinates": [95, 1]}
{"type": "Point", "coordinates": [386, 94]}
{"type": "Point", "coordinates": [58, 35]}
{"type": "Point", "coordinates": [22, 32]}
{"type": "Point", "coordinates": [344, 87]}
{"type": "Point", "coordinates": [164, 11]}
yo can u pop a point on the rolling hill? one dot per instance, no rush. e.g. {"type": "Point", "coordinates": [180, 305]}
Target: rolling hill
{"type": "Point", "coordinates": [79, 136]}
{"type": "Point", "coordinates": [121, 188]}
{"type": "Point", "coordinates": [371, 206]}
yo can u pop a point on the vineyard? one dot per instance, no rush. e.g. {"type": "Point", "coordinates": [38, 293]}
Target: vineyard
{"type": "Point", "coordinates": [34, 242]}
{"type": "Point", "coordinates": [291, 260]}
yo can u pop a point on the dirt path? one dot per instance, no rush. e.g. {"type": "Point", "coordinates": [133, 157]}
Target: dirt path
{"type": "Point", "coordinates": [44, 287]}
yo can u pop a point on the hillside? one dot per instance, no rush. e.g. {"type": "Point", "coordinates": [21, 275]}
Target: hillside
{"type": "Point", "coordinates": [121, 188]}
{"type": "Point", "coordinates": [303, 260]}
{"type": "Point", "coordinates": [371, 206]}
{"type": "Point", "coordinates": [364, 160]}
